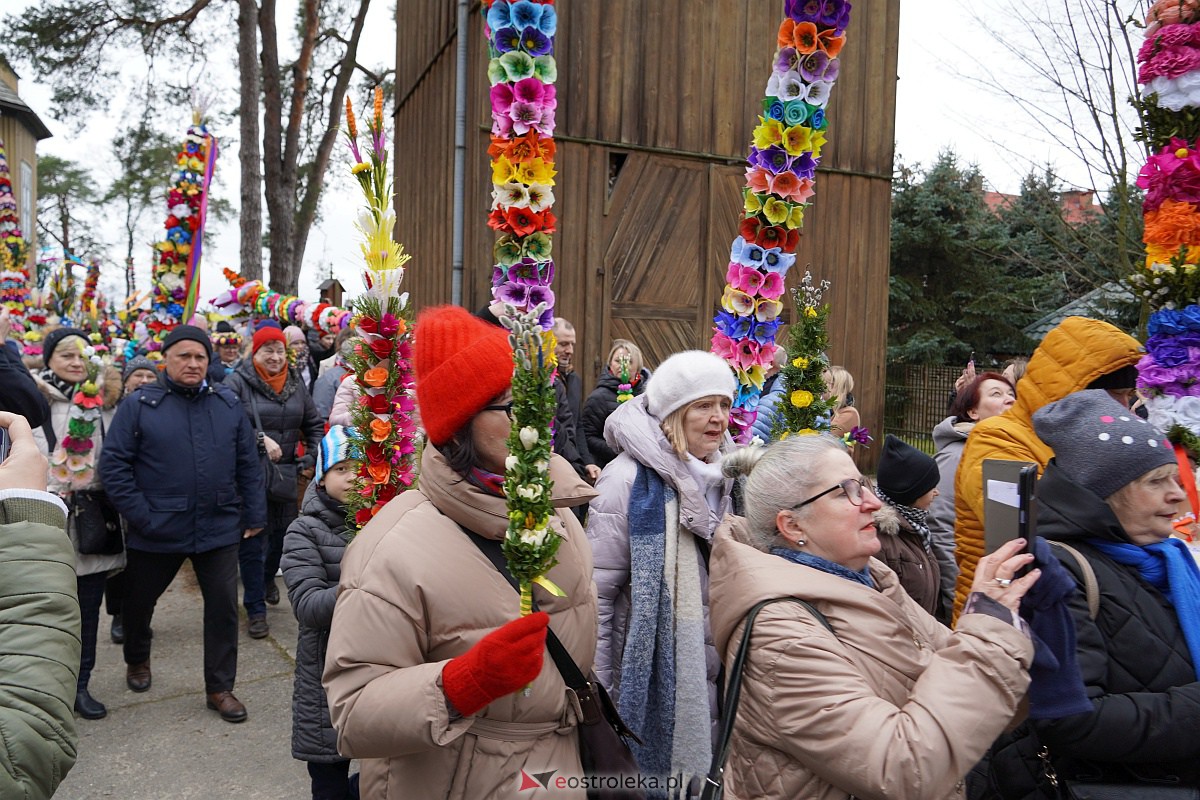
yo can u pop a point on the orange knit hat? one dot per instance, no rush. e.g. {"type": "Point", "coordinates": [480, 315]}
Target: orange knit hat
{"type": "Point", "coordinates": [461, 364]}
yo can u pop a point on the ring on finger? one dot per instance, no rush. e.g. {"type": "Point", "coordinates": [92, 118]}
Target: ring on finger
{"type": "Point", "coordinates": [1003, 581]}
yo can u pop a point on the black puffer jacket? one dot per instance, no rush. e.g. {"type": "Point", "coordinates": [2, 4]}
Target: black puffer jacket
{"type": "Point", "coordinates": [312, 566]}
{"type": "Point", "coordinates": [1133, 657]}
{"type": "Point", "coordinates": [288, 417]}
{"type": "Point", "coordinates": [601, 403]}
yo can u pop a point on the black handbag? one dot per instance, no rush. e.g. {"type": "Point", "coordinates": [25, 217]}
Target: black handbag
{"type": "Point", "coordinates": [97, 524]}
{"type": "Point", "coordinates": [279, 478]}
{"type": "Point", "coordinates": [714, 784]}
{"type": "Point", "coordinates": [1104, 785]}
{"type": "Point", "coordinates": [604, 738]}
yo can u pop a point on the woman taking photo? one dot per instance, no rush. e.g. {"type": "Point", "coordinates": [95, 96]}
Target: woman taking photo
{"type": "Point", "coordinates": [66, 369]}
{"type": "Point", "coordinates": [660, 501]}
{"type": "Point", "coordinates": [987, 395]}
{"type": "Point", "coordinates": [888, 705]}
{"type": "Point", "coordinates": [283, 416]}
{"type": "Point", "coordinates": [1111, 492]}
{"type": "Point", "coordinates": [427, 658]}
{"type": "Point", "coordinates": [624, 356]}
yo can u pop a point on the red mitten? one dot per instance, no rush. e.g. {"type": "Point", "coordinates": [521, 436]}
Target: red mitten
{"type": "Point", "coordinates": [499, 664]}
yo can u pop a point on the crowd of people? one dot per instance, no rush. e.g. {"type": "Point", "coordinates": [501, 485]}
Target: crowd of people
{"type": "Point", "coordinates": [917, 664]}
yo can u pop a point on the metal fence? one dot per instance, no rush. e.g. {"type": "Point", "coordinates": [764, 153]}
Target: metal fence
{"type": "Point", "coordinates": [916, 398]}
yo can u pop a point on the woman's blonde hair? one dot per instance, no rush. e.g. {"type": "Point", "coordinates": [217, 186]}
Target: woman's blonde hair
{"type": "Point", "coordinates": [840, 384]}
{"type": "Point", "coordinates": [776, 478]}
{"type": "Point", "coordinates": [635, 355]}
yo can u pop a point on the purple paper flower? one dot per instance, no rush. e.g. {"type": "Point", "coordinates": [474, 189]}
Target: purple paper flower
{"type": "Point", "coordinates": [507, 39]}
{"type": "Point", "coordinates": [733, 326]}
{"type": "Point", "coordinates": [764, 332]}
{"type": "Point", "coordinates": [536, 43]}
{"type": "Point", "coordinates": [803, 10]}
{"type": "Point", "coordinates": [1169, 351]}
{"type": "Point", "coordinates": [786, 59]}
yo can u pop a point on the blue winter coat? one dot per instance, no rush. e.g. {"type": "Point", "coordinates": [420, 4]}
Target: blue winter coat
{"type": "Point", "coordinates": [183, 471]}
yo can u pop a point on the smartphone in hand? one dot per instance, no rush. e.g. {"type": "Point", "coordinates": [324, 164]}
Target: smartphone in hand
{"type": "Point", "coordinates": [5, 442]}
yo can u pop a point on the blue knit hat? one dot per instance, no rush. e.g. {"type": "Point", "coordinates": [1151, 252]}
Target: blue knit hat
{"type": "Point", "coordinates": [335, 447]}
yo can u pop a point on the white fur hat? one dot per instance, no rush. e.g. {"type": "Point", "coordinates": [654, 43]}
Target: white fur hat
{"type": "Point", "coordinates": [685, 377]}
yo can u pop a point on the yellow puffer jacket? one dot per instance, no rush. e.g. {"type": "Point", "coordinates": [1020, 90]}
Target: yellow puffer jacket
{"type": "Point", "coordinates": [1071, 356]}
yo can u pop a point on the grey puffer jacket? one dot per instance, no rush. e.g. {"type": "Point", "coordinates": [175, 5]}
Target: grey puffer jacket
{"type": "Point", "coordinates": [637, 438]}
{"type": "Point", "coordinates": [949, 438]}
{"type": "Point", "coordinates": [312, 567]}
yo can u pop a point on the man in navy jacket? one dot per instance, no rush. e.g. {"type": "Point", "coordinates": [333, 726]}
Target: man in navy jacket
{"type": "Point", "coordinates": [180, 463]}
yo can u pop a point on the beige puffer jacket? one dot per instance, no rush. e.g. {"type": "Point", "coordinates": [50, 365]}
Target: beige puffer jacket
{"type": "Point", "coordinates": [894, 706]}
{"type": "Point", "coordinates": [415, 592]}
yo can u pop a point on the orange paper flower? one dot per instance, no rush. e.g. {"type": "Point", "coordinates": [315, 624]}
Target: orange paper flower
{"type": "Point", "coordinates": [832, 45]}
{"type": "Point", "coordinates": [786, 29]}
{"type": "Point", "coordinates": [805, 38]}
{"type": "Point", "coordinates": [1172, 225]}
{"type": "Point", "coordinates": [380, 472]}
{"type": "Point", "coordinates": [380, 430]}
{"type": "Point", "coordinates": [375, 377]}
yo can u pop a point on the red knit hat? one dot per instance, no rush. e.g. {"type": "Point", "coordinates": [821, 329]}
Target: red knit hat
{"type": "Point", "coordinates": [461, 363]}
{"type": "Point", "coordinates": [264, 335]}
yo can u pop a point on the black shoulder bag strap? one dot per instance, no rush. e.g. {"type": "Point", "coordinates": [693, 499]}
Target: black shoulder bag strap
{"type": "Point", "coordinates": [714, 783]}
{"type": "Point", "coordinates": [257, 420]}
{"type": "Point", "coordinates": [590, 700]}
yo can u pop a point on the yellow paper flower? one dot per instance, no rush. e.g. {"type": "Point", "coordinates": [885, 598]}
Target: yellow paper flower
{"type": "Point", "coordinates": [807, 432]}
{"type": "Point", "coordinates": [753, 202]}
{"type": "Point", "coordinates": [810, 312]}
{"type": "Point", "coordinates": [536, 170]}
{"type": "Point", "coordinates": [776, 211]}
{"type": "Point", "coordinates": [503, 170]}
{"type": "Point", "coordinates": [816, 143]}
{"type": "Point", "coordinates": [357, 168]}
{"type": "Point", "coordinates": [802, 398]}
{"type": "Point", "coordinates": [800, 362]}
{"type": "Point", "coordinates": [798, 139]}
{"type": "Point", "coordinates": [768, 133]}
{"type": "Point", "coordinates": [795, 217]}
{"type": "Point", "coordinates": [755, 375]}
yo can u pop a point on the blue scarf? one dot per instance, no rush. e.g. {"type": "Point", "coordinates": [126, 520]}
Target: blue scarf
{"type": "Point", "coordinates": [1169, 567]}
{"type": "Point", "coordinates": [816, 562]}
{"type": "Point", "coordinates": [647, 699]}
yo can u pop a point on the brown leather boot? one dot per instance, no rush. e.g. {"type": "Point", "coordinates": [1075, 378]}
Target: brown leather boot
{"type": "Point", "coordinates": [137, 676]}
{"type": "Point", "coordinates": [228, 706]}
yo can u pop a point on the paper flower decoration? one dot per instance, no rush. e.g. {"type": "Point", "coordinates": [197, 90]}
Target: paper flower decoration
{"type": "Point", "coordinates": [782, 167]}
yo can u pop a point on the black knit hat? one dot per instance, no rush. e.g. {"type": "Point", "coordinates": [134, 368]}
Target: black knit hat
{"type": "Point", "coordinates": [183, 333]}
{"type": "Point", "coordinates": [1123, 378]}
{"type": "Point", "coordinates": [54, 339]}
{"type": "Point", "coordinates": [904, 472]}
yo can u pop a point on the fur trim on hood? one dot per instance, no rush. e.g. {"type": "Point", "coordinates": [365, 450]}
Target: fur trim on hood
{"type": "Point", "coordinates": [888, 520]}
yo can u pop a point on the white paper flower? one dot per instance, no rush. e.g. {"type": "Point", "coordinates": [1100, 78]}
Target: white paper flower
{"type": "Point", "coordinates": [510, 463]}
{"type": "Point", "coordinates": [533, 536]}
{"type": "Point", "coordinates": [528, 437]}
{"type": "Point", "coordinates": [529, 491]}
{"type": "Point", "coordinates": [818, 93]}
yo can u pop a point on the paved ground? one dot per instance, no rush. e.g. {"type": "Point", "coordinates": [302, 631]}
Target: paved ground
{"type": "Point", "coordinates": [165, 743]}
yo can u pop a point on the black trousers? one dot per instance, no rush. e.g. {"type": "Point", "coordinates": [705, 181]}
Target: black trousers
{"type": "Point", "coordinates": [91, 593]}
{"type": "Point", "coordinates": [114, 594]}
{"type": "Point", "coordinates": [332, 781]}
{"type": "Point", "coordinates": [149, 574]}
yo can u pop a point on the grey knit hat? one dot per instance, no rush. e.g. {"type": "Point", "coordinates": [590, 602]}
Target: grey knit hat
{"type": "Point", "coordinates": [136, 363]}
{"type": "Point", "coordinates": [1099, 443]}
{"type": "Point", "coordinates": [686, 377]}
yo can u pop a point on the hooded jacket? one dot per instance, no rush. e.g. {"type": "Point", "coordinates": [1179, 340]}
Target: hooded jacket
{"type": "Point", "coordinates": [416, 592]}
{"type": "Point", "coordinates": [1133, 657]}
{"type": "Point", "coordinates": [39, 626]}
{"type": "Point", "coordinates": [59, 419]}
{"type": "Point", "coordinates": [600, 404]}
{"type": "Point", "coordinates": [903, 551]}
{"type": "Point", "coordinates": [891, 705]}
{"type": "Point", "coordinates": [1075, 353]}
{"type": "Point", "coordinates": [312, 566]}
{"type": "Point", "coordinates": [637, 438]}
{"type": "Point", "coordinates": [949, 438]}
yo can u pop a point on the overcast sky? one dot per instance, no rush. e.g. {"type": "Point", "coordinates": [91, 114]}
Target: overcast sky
{"type": "Point", "coordinates": [938, 106]}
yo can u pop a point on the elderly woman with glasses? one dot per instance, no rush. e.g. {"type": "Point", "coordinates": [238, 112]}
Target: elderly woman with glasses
{"type": "Point", "coordinates": [886, 702]}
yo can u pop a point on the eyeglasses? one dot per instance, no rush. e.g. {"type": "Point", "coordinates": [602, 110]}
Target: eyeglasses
{"type": "Point", "coordinates": [506, 408]}
{"type": "Point", "coordinates": [853, 487]}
